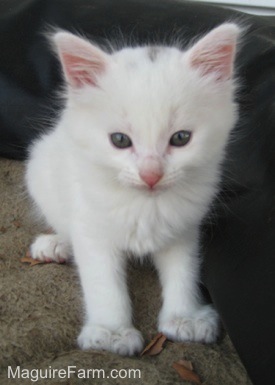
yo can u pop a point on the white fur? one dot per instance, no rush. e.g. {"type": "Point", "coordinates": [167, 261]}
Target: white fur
{"type": "Point", "coordinates": [91, 193]}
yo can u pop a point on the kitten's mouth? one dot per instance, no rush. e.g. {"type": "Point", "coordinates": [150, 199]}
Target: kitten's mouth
{"type": "Point", "coordinates": [153, 190]}
{"type": "Point", "coordinates": [149, 189]}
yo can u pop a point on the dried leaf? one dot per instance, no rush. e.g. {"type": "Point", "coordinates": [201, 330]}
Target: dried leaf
{"type": "Point", "coordinates": [185, 372]}
{"type": "Point", "coordinates": [28, 259]}
{"type": "Point", "coordinates": [187, 364]}
{"type": "Point", "coordinates": [3, 230]}
{"type": "Point", "coordinates": [155, 346]}
{"type": "Point", "coordinates": [31, 261]}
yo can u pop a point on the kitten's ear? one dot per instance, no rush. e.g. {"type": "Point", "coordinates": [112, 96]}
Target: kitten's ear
{"type": "Point", "coordinates": [82, 62]}
{"type": "Point", "coordinates": [214, 54]}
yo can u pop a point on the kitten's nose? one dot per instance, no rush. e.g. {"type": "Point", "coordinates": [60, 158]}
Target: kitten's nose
{"type": "Point", "coordinates": [151, 178]}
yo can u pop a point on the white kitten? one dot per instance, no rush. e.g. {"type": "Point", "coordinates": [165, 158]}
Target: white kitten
{"type": "Point", "coordinates": [131, 168]}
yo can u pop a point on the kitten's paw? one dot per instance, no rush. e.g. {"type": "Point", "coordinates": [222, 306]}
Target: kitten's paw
{"type": "Point", "coordinates": [50, 248]}
{"type": "Point", "coordinates": [125, 341]}
{"type": "Point", "coordinates": [201, 326]}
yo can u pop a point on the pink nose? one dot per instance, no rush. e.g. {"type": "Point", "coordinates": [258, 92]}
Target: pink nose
{"type": "Point", "coordinates": [150, 178]}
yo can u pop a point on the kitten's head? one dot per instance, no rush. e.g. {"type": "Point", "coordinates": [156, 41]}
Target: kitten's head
{"type": "Point", "coordinates": [151, 117]}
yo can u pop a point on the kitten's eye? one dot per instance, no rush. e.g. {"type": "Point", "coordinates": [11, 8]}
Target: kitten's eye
{"type": "Point", "coordinates": [180, 138]}
{"type": "Point", "coordinates": [120, 140]}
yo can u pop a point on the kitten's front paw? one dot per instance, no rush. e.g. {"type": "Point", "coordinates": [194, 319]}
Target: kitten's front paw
{"type": "Point", "coordinates": [201, 326]}
{"type": "Point", "coordinates": [50, 248]}
{"type": "Point", "coordinates": [125, 341]}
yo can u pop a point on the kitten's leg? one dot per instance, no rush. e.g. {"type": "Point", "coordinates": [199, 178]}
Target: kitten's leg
{"type": "Point", "coordinates": [108, 323]}
{"type": "Point", "coordinates": [50, 247]}
{"type": "Point", "coordinates": [183, 317]}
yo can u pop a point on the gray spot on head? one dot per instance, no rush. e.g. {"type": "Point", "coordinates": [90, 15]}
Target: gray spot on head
{"type": "Point", "coordinates": [153, 52]}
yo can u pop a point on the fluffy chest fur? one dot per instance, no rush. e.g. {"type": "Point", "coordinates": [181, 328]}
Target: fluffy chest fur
{"type": "Point", "coordinates": [138, 220]}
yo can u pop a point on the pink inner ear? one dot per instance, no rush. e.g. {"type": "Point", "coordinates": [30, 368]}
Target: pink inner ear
{"type": "Point", "coordinates": [80, 71]}
{"type": "Point", "coordinates": [82, 61]}
{"type": "Point", "coordinates": [218, 61]}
